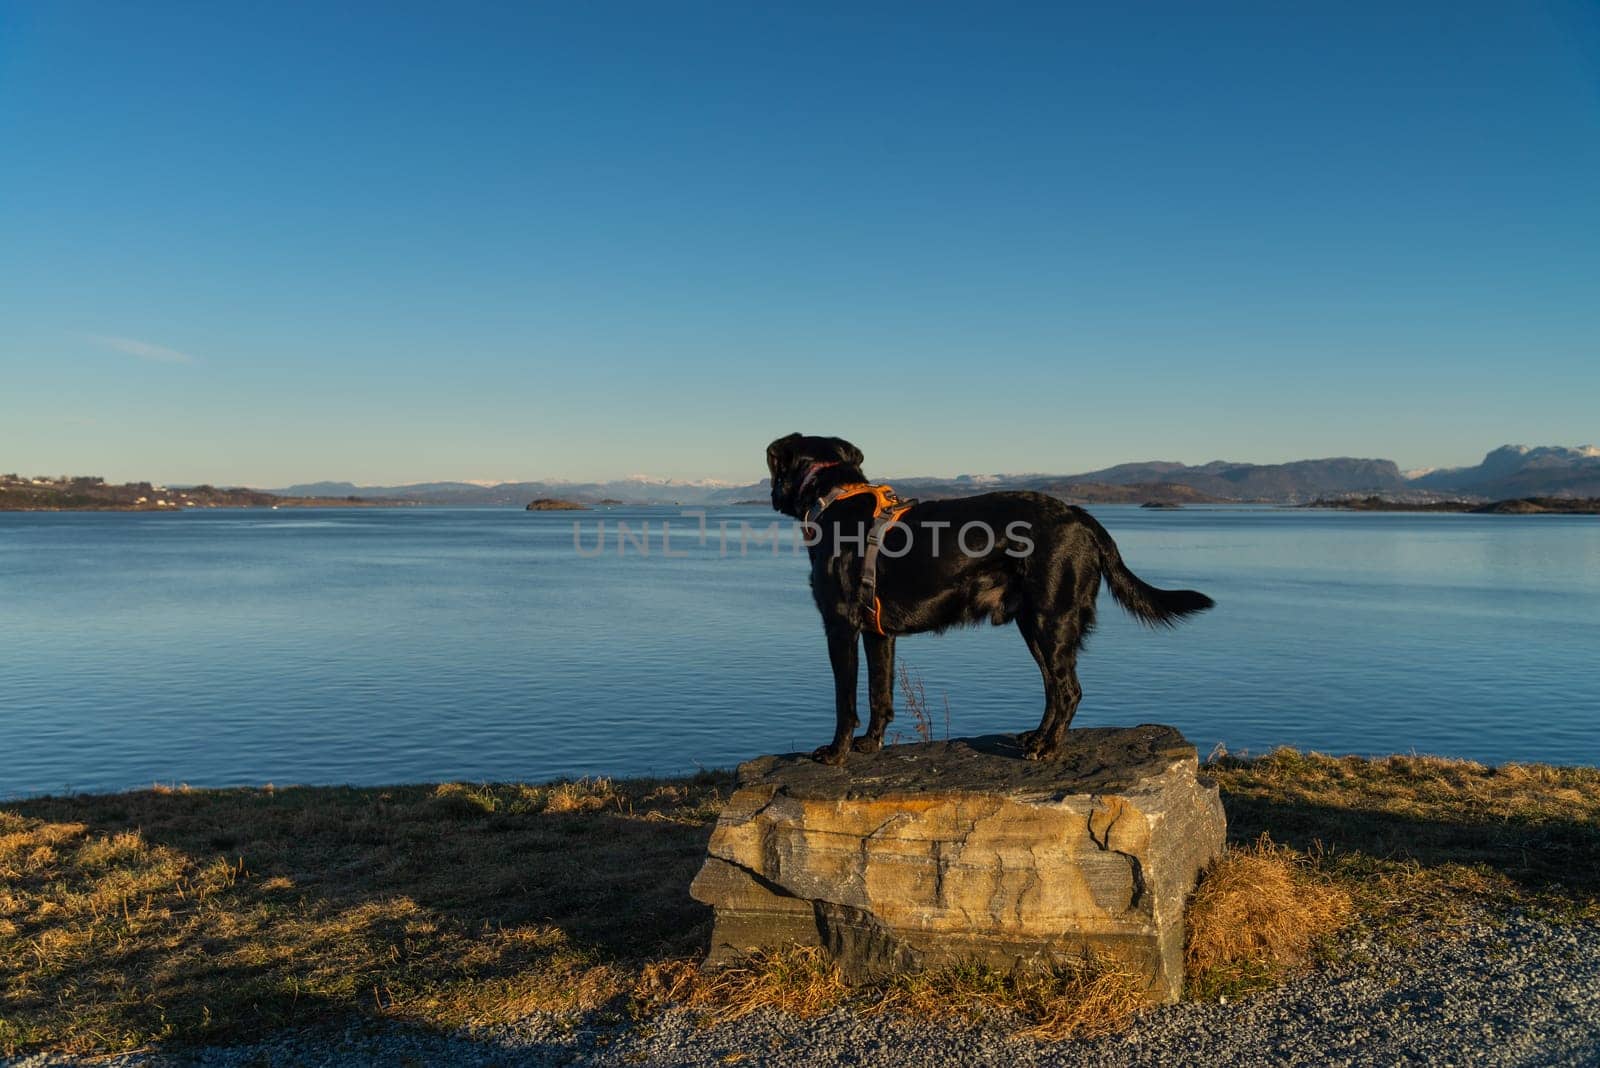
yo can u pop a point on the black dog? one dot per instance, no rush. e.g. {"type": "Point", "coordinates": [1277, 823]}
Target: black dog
{"type": "Point", "coordinates": [999, 557]}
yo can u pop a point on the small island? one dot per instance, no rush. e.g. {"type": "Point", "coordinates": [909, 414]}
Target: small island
{"type": "Point", "coordinates": [555, 504]}
{"type": "Point", "coordinates": [1162, 505]}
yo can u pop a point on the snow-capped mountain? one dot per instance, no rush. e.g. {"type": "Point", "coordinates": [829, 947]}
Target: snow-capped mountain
{"type": "Point", "coordinates": [1523, 471]}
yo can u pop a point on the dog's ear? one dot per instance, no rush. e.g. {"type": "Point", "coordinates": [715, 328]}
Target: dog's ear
{"type": "Point", "coordinates": [848, 452]}
{"type": "Point", "coordinates": [780, 452]}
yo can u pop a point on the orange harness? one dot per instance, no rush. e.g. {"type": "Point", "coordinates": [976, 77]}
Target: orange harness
{"type": "Point", "coordinates": [886, 512]}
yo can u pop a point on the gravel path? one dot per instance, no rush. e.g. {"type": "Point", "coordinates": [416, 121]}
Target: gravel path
{"type": "Point", "coordinates": [1517, 993]}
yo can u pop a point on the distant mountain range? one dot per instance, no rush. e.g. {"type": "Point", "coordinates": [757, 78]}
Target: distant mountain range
{"type": "Point", "coordinates": [1518, 471]}
{"type": "Point", "coordinates": [1509, 471]}
{"type": "Point", "coordinates": [621, 491]}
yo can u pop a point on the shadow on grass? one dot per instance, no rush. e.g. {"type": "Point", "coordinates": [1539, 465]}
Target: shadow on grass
{"type": "Point", "coordinates": [1532, 830]}
{"type": "Point", "coordinates": [214, 915]}
{"type": "Point", "coordinates": [1561, 856]}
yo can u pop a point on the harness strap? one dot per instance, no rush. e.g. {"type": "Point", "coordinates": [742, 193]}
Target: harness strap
{"type": "Point", "coordinates": [839, 493]}
{"type": "Point", "coordinates": [888, 511]}
{"type": "Point", "coordinates": [881, 521]}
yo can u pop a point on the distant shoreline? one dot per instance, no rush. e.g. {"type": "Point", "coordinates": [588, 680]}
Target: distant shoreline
{"type": "Point", "coordinates": [1513, 506]}
{"type": "Point", "coordinates": [286, 502]}
{"type": "Point", "coordinates": [96, 495]}
{"type": "Point", "coordinates": [86, 494]}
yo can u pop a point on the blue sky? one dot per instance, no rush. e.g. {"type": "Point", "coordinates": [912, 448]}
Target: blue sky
{"type": "Point", "coordinates": [276, 242]}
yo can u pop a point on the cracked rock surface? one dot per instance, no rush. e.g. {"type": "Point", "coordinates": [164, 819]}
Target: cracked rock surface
{"type": "Point", "coordinates": [961, 850]}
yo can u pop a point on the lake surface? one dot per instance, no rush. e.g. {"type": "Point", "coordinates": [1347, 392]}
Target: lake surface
{"type": "Point", "coordinates": [375, 646]}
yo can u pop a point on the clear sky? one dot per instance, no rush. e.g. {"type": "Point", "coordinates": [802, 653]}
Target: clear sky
{"type": "Point", "coordinates": [264, 243]}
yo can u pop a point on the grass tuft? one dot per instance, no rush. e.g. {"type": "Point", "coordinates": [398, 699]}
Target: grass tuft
{"type": "Point", "coordinates": [1080, 1000]}
{"type": "Point", "coordinates": [1083, 1000]}
{"type": "Point", "coordinates": [1256, 915]}
{"type": "Point", "coordinates": [803, 981]}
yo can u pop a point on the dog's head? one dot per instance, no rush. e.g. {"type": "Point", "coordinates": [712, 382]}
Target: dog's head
{"type": "Point", "coordinates": [795, 461]}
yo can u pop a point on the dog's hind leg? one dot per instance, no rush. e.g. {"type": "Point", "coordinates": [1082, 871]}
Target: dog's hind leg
{"type": "Point", "coordinates": [1027, 626]}
{"type": "Point", "coordinates": [842, 655]}
{"type": "Point", "coordinates": [1054, 644]}
{"type": "Point", "coordinates": [880, 691]}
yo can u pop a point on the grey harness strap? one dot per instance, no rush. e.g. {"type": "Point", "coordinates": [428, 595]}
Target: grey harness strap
{"type": "Point", "coordinates": [881, 521]}
{"type": "Point", "coordinates": [814, 513]}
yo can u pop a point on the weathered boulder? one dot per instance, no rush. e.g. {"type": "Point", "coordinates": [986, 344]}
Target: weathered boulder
{"type": "Point", "coordinates": [938, 852]}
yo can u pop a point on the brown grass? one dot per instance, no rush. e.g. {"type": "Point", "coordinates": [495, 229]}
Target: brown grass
{"type": "Point", "coordinates": [914, 702]}
{"type": "Point", "coordinates": [1428, 842]}
{"type": "Point", "coordinates": [1082, 1001]}
{"type": "Point", "coordinates": [1256, 915]}
{"type": "Point", "coordinates": [803, 981]}
{"type": "Point", "coordinates": [192, 915]}
{"type": "Point", "coordinates": [212, 915]}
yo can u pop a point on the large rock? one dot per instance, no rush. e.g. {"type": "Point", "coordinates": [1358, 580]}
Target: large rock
{"type": "Point", "coordinates": [943, 851]}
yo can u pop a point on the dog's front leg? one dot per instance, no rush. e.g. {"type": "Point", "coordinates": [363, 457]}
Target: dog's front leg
{"type": "Point", "coordinates": [880, 691]}
{"type": "Point", "coordinates": [842, 655]}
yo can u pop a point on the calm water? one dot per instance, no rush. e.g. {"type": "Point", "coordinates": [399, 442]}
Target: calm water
{"type": "Point", "coordinates": [373, 646]}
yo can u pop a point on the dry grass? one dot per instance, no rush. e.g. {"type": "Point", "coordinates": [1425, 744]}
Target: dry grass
{"type": "Point", "coordinates": [803, 981]}
{"type": "Point", "coordinates": [1257, 914]}
{"type": "Point", "coordinates": [914, 696]}
{"type": "Point", "coordinates": [1082, 1001]}
{"type": "Point", "coordinates": [1423, 788]}
{"type": "Point", "coordinates": [914, 702]}
{"type": "Point", "coordinates": [1427, 842]}
{"type": "Point", "coordinates": [190, 915]}
{"type": "Point", "coordinates": [180, 916]}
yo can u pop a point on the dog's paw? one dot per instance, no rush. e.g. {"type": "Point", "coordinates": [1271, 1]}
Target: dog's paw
{"type": "Point", "coordinates": [866, 744]}
{"type": "Point", "coordinates": [1039, 749]}
{"type": "Point", "coordinates": [827, 754]}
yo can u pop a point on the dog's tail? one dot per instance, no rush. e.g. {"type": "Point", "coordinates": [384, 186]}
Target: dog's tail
{"type": "Point", "coordinates": [1153, 607]}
